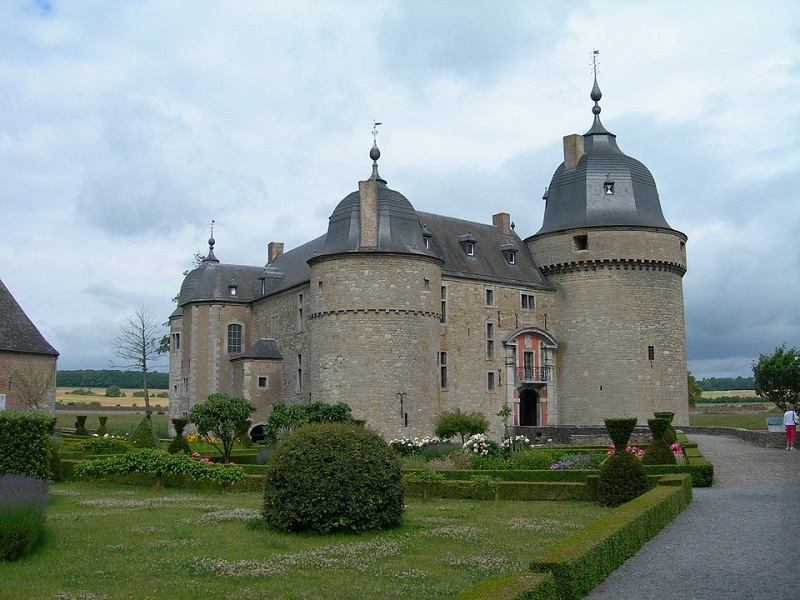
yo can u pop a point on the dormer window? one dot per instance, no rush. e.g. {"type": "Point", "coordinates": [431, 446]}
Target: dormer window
{"type": "Point", "coordinates": [608, 186]}
{"type": "Point", "coordinates": [426, 237]}
{"type": "Point", "coordinates": [509, 253]}
{"type": "Point", "coordinates": [467, 243]}
{"type": "Point", "coordinates": [232, 289]}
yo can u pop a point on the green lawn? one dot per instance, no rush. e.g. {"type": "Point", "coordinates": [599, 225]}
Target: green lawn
{"type": "Point", "coordinates": [741, 420]}
{"type": "Point", "coordinates": [117, 424]}
{"type": "Point", "coordinates": [131, 542]}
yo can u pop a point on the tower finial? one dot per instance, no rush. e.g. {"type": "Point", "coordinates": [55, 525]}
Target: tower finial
{"type": "Point", "coordinates": [375, 153]}
{"type": "Point", "coordinates": [596, 93]}
{"type": "Point", "coordinates": [211, 243]}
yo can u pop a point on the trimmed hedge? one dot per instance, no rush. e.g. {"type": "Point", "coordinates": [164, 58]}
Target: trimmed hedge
{"type": "Point", "coordinates": [504, 490]}
{"type": "Point", "coordinates": [25, 444]}
{"type": "Point", "coordinates": [515, 586]}
{"type": "Point", "coordinates": [544, 475]}
{"type": "Point", "coordinates": [584, 559]}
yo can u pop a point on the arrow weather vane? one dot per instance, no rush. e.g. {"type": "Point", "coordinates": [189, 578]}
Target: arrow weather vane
{"type": "Point", "coordinates": [375, 131]}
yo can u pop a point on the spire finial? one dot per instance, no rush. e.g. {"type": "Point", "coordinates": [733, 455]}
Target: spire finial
{"type": "Point", "coordinates": [211, 243]}
{"type": "Point", "coordinates": [375, 153]}
{"type": "Point", "coordinates": [596, 93]}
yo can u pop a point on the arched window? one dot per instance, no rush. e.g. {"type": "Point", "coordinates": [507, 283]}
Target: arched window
{"type": "Point", "coordinates": [234, 338]}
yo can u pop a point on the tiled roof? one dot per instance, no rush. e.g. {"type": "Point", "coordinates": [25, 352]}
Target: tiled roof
{"type": "Point", "coordinates": [17, 331]}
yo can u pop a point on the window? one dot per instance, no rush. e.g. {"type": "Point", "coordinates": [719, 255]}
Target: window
{"type": "Point", "coordinates": [273, 324]}
{"type": "Point", "coordinates": [651, 353]}
{"type": "Point", "coordinates": [443, 369]}
{"type": "Point", "coordinates": [581, 242]}
{"type": "Point", "coordinates": [512, 257]}
{"type": "Point", "coordinates": [300, 311]}
{"type": "Point", "coordinates": [232, 289]}
{"type": "Point", "coordinates": [299, 372]}
{"type": "Point", "coordinates": [234, 338]}
{"type": "Point", "coordinates": [527, 301]}
{"type": "Point", "coordinates": [427, 240]}
{"type": "Point", "coordinates": [176, 341]}
{"type": "Point", "coordinates": [443, 317]}
{"type": "Point", "coordinates": [489, 296]}
{"type": "Point", "coordinates": [426, 284]}
{"type": "Point", "coordinates": [490, 340]}
{"type": "Point", "coordinates": [263, 381]}
{"type": "Point", "coordinates": [470, 248]}
{"type": "Point", "coordinates": [319, 286]}
{"type": "Point", "coordinates": [490, 382]}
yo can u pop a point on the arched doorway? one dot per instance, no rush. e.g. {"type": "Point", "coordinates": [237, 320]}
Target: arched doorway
{"type": "Point", "coordinates": [257, 434]}
{"type": "Point", "coordinates": [528, 408]}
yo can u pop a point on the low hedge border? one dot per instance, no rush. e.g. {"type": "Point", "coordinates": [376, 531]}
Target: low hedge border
{"type": "Point", "coordinates": [501, 490]}
{"type": "Point", "coordinates": [583, 560]}
{"type": "Point", "coordinates": [514, 586]}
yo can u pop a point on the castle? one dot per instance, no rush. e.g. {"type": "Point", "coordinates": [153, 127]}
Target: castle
{"type": "Point", "coordinates": [404, 314]}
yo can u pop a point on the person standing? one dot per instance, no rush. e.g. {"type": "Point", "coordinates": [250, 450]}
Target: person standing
{"type": "Point", "coordinates": [790, 422]}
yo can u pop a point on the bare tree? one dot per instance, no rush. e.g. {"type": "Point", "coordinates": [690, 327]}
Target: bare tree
{"type": "Point", "coordinates": [137, 346]}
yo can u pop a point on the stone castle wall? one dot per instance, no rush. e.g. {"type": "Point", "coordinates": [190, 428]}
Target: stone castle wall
{"type": "Point", "coordinates": [23, 376]}
{"type": "Point", "coordinates": [617, 299]}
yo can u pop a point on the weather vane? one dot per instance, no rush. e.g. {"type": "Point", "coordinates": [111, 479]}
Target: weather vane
{"type": "Point", "coordinates": [375, 131]}
{"type": "Point", "coordinates": [595, 54]}
{"type": "Point", "coordinates": [212, 228]}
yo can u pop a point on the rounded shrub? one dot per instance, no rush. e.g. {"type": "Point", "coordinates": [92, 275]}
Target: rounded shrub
{"type": "Point", "coordinates": [333, 477]}
{"type": "Point", "coordinates": [622, 476]}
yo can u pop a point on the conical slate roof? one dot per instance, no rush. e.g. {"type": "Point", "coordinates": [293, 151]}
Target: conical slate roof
{"type": "Point", "coordinates": [17, 331]}
{"type": "Point", "coordinates": [605, 188]}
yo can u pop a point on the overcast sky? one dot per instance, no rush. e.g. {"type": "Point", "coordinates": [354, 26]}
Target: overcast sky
{"type": "Point", "coordinates": [126, 127]}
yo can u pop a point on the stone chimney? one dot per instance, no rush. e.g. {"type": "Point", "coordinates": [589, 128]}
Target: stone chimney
{"type": "Point", "coordinates": [368, 204]}
{"type": "Point", "coordinates": [274, 250]}
{"type": "Point", "coordinates": [503, 222]}
{"type": "Point", "coordinates": [573, 150]}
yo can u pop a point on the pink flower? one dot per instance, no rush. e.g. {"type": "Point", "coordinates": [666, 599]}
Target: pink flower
{"type": "Point", "coordinates": [195, 455]}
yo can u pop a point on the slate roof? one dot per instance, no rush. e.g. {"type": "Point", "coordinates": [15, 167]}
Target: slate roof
{"type": "Point", "coordinates": [577, 197]}
{"type": "Point", "coordinates": [489, 262]}
{"type": "Point", "coordinates": [17, 331]}
{"type": "Point", "coordinates": [263, 349]}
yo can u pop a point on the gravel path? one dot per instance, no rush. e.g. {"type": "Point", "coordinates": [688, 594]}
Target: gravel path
{"type": "Point", "coordinates": [736, 540]}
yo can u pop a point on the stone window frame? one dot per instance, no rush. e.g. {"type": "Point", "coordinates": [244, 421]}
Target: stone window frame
{"type": "Point", "coordinates": [443, 375]}
{"type": "Point", "coordinates": [489, 330]}
{"type": "Point", "coordinates": [232, 333]}
{"type": "Point", "coordinates": [491, 381]}
{"type": "Point", "coordinates": [263, 382]}
{"type": "Point", "coordinates": [488, 296]}
{"type": "Point", "coordinates": [527, 301]}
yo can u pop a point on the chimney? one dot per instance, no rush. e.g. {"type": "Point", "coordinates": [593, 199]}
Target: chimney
{"type": "Point", "coordinates": [368, 204]}
{"type": "Point", "coordinates": [573, 150]}
{"type": "Point", "coordinates": [503, 222]}
{"type": "Point", "coordinates": [274, 250]}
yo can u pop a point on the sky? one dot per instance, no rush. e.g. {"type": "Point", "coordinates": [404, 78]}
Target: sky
{"type": "Point", "coordinates": [127, 126]}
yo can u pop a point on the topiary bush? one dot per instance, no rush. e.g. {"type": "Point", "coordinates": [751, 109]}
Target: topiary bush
{"type": "Point", "coordinates": [622, 476]}
{"type": "Point", "coordinates": [102, 430]}
{"type": "Point", "coordinates": [103, 445]}
{"type": "Point", "coordinates": [143, 436]}
{"type": "Point", "coordinates": [670, 436]}
{"type": "Point", "coordinates": [658, 451]}
{"type": "Point", "coordinates": [80, 425]}
{"type": "Point", "coordinates": [179, 444]}
{"type": "Point", "coordinates": [333, 477]}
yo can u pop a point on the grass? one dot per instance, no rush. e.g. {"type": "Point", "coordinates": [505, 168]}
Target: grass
{"type": "Point", "coordinates": [63, 395]}
{"type": "Point", "coordinates": [731, 393]}
{"type": "Point", "coordinates": [128, 542]}
{"type": "Point", "coordinates": [742, 420]}
{"type": "Point", "coordinates": [117, 423]}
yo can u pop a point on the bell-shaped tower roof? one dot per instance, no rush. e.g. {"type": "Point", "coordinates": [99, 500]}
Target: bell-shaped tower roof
{"type": "Point", "coordinates": [381, 220]}
{"type": "Point", "coordinates": [598, 185]}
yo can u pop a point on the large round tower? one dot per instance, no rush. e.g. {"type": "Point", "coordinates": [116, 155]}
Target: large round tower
{"type": "Point", "coordinates": [374, 312]}
{"type": "Point", "coordinates": [617, 267]}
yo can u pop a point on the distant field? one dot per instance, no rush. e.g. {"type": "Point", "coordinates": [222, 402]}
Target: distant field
{"type": "Point", "coordinates": [739, 393]}
{"type": "Point", "coordinates": [63, 395]}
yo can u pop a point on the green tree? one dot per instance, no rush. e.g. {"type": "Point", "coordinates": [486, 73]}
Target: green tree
{"type": "Point", "coordinates": [777, 377]}
{"type": "Point", "coordinates": [220, 419]}
{"type": "Point", "coordinates": [137, 346]}
{"type": "Point", "coordinates": [451, 424]}
{"type": "Point", "coordinates": [695, 391]}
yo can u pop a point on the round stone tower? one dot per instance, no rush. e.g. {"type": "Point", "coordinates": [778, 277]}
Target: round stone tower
{"type": "Point", "coordinates": [374, 312]}
{"type": "Point", "coordinates": [617, 267]}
